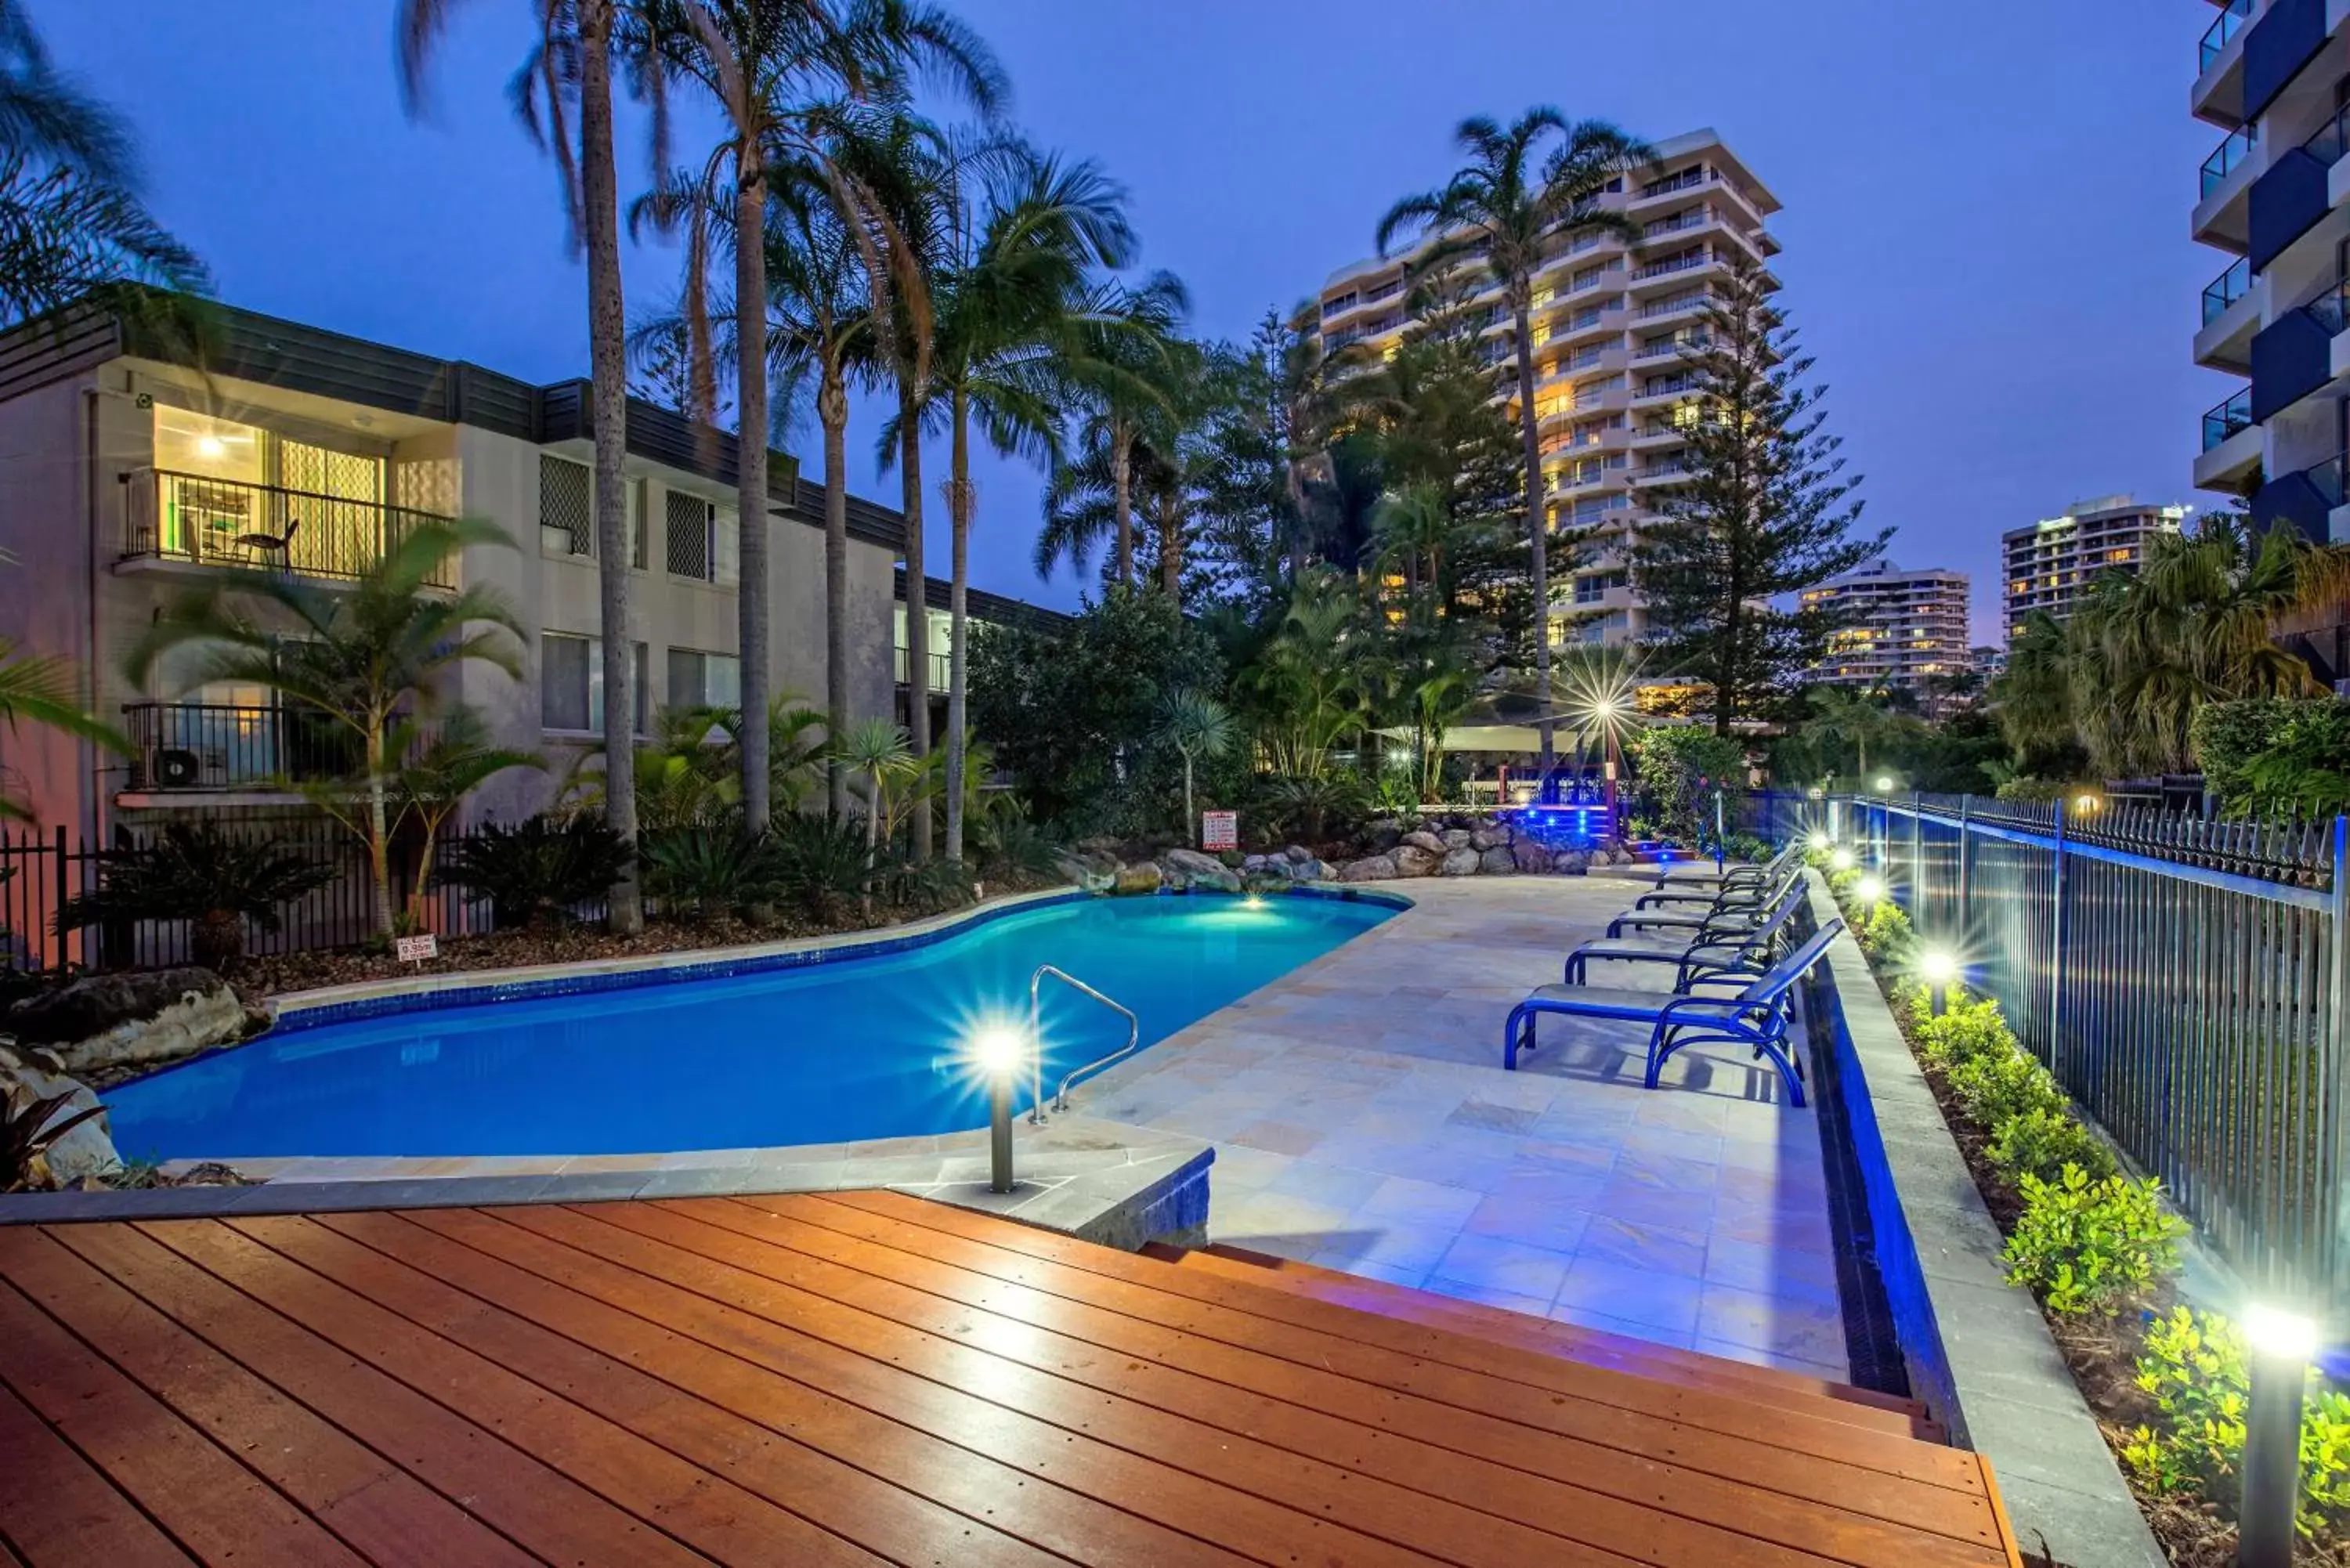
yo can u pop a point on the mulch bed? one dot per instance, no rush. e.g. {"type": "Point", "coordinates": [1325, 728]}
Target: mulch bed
{"type": "Point", "coordinates": [2102, 1354]}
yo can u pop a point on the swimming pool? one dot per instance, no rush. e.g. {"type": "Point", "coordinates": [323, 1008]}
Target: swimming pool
{"type": "Point", "coordinates": [854, 1047]}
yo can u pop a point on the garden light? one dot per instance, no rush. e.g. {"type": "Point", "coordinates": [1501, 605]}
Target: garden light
{"type": "Point", "coordinates": [1841, 860]}
{"type": "Point", "coordinates": [1819, 842]}
{"type": "Point", "coordinates": [1938, 968]}
{"type": "Point", "coordinates": [1869, 890]}
{"type": "Point", "coordinates": [997, 1050]}
{"type": "Point", "coordinates": [2281, 1343]}
{"type": "Point", "coordinates": [1884, 783]}
{"type": "Point", "coordinates": [2086, 804]}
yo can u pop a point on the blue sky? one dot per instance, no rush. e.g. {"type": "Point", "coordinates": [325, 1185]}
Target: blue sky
{"type": "Point", "coordinates": [1985, 222]}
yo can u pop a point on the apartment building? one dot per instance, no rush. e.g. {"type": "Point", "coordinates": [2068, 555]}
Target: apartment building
{"type": "Point", "coordinates": [2274, 76]}
{"type": "Point", "coordinates": [982, 609]}
{"type": "Point", "coordinates": [128, 472]}
{"type": "Point", "coordinates": [1895, 627]}
{"type": "Point", "coordinates": [2048, 565]}
{"type": "Point", "coordinates": [1612, 391]}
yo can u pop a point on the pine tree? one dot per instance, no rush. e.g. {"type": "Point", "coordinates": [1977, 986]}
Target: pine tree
{"type": "Point", "coordinates": [1766, 510]}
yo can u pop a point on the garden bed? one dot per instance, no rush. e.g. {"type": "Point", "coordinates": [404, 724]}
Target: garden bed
{"type": "Point", "coordinates": [2108, 1354]}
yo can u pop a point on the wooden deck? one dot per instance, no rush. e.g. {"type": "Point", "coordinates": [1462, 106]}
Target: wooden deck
{"type": "Point", "coordinates": [865, 1377]}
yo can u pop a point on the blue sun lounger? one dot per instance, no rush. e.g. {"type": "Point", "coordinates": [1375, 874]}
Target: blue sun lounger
{"type": "Point", "coordinates": [1751, 904]}
{"type": "Point", "coordinates": [1731, 943]}
{"type": "Point", "coordinates": [1688, 875]}
{"type": "Point", "coordinates": [1756, 1015]}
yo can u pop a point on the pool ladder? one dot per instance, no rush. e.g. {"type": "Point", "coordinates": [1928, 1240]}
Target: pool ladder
{"type": "Point", "coordinates": [1036, 1038]}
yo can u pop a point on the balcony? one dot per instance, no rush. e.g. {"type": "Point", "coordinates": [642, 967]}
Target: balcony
{"type": "Point", "coordinates": [2288, 36]}
{"type": "Point", "coordinates": [2307, 500]}
{"type": "Point", "coordinates": [938, 664]}
{"type": "Point", "coordinates": [2226, 289]}
{"type": "Point", "coordinates": [2233, 447]}
{"type": "Point", "coordinates": [2227, 420]}
{"type": "Point", "coordinates": [2295, 192]}
{"type": "Point", "coordinates": [2221, 216]}
{"type": "Point", "coordinates": [225, 522]}
{"type": "Point", "coordinates": [2218, 95]}
{"type": "Point", "coordinates": [1688, 261]}
{"type": "Point", "coordinates": [191, 748]}
{"type": "Point", "coordinates": [2295, 356]}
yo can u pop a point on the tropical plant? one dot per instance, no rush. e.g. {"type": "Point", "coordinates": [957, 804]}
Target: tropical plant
{"type": "Point", "coordinates": [206, 875]}
{"type": "Point", "coordinates": [1997, 1087]}
{"type": "Point", "coordinates": [1310, 808]}
{"type": "Point", "coordinates": [1196, 726]}
{"type": "Point", "coordinates": [2091, 1247]}
{"type": "Point", "coordinates": [1306, 686]}
{"type": "Point", "coordinates": [1846, 718]}
{"type": "Point", "coordinates": [2042, 1142]}
{"type": "Point", "coordinates": [1007, 287]}
{"type": "Point", "coordinates": [1508, 208]}
{"type": "Point", "coordinates": [568, 72]}
{"type": "Point", "coordinates": [822, 863]}
{"type": "Point", "coordinates": [1764, 511]}
{"type": "Point", "coordinates": [877, 749]}
{"type": "Point", "coordinates": [365, 656]}
{"type": "Point", "coordinates": [537, 871]}
{"type": "Point", "coordinates": [437, 776]}
{"type": "Point", "coordinates": [791, 79]}
{"type": "Point", "coordinates": [1010, 844]}
{"type": "Point", "coordinates": [46, 691]}
{"type": "Point", "coordinates": [1679, 768]}
{"type": "Point", "coordinates": [706, 869]}
{"type": "Point", "coordinates": [31, 1123]}
{"type": "Point", "coordinates": [1123, 367]}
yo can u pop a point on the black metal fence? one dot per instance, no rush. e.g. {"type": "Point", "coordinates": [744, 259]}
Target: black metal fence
{"type": "Point", "coordinates": [2187, 980]}
{"type": "Point", "coordinates": [40, 870]}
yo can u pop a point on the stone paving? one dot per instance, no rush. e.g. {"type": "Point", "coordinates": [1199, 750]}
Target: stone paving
{"type": "Point", "coordinates": [1362, 1121]}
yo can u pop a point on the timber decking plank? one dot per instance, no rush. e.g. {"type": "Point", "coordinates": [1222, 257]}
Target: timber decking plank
{"type": "Point", "coordinates": [376, 1509]}
{"type": "Point", "coordinates": [409, 1269]}
{"type": "Point", "coordinates": [651, 1506]}
{"type": "Point", "coordinates": [1820, 1423]}
{"type": "Point", "coordinates": [214, 1507]}
{"type": "Point", "coordinates": [1620, 1353]}
{"type": "Point", "coordinates": [1941, 1493]}
{"type": "Point", "coordinates": [1342, 1418]}
{"type": "Point", "coordinates": [56, 1511]}
{"type": "Point", "coordinates": [952, 1343]}
{"type": "Point", "coordinates": [706, 1301]}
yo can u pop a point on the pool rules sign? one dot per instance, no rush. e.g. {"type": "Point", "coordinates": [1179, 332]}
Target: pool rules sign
{"type": "Point", "coordinates": [1220, 830]}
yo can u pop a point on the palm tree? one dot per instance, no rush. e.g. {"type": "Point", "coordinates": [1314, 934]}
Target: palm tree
{"type": "Point", "coordinates": [792, 78]}
{"type": "Point", "coordinates": [363, 656]}
{"type": "Point", "coordinates": [46, 691]}
{"type": "Point", "coordinates": [441, 773]}
{"type": "Point", "coordinates": [1514, 209]}
{"type": "Point", "coordinates": [1845, 717]}
{"type": "Point", "coordinates": [819, 327]}
{"type": "Point", "coordinates": [1409, 529]}
{"type": "Point", "coordinates": [1122, 367]}
{"type": "Point", "coordinates": [572, 61]}
{"type": "Point", "coordinates": [1199, 729]}
{"type": "Point", "coordinates": [1006, 287]}
{"type": "Point", "coordinates": [877, 749]}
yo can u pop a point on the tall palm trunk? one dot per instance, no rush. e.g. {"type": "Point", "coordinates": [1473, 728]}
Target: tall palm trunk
{"type": "Point", "coordinates": [751, 473]}
{"type": "Point", "coordinates": [608, 413]}
{"type": "Point", "coordinates": [1121, 480]}
{"type": "Point", "coordinates": [832, 410]}
{"type": "Point", "coordinates": [1537, 519]}
{"type": "Point", "coordinates": [959, 510]}
{"type": "Point", "coordinates": [378, 828]}
{"type": "Point", "coordinates": [918, 606]}
{"type": "Point", "coordinates": [1171, 549]}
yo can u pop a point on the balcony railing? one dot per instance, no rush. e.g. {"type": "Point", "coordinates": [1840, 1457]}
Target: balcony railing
{"type": "Point", "coordinates": [2235, 414]}
{"type": "Point", "coordinates": [208, 746]}
{"type": "Point", "coordinates": [2231, 20]}
{"type": "Point", "coordinates": [1695, 218]}
{"type": "Point", "coordinates": [2226, 289]}
{"type": "Point", "coordinates": [228, 523]}
{"type": "Point", "coordinates": [2329, 142]}
{"type": "Point", "coordinates": [1664, 385]}
{"type": "Point", "coordinates": [937, 663]}
{"type": "Point", "coordinates": [2331, 309]}
{"type": "Point", "coordinates": [1677, 264]}
{"type": "Point", "coordinates": [1679, 302]}
{"type": "Point", "coordinates": [2326, 478]}
{"type": "Point", "coordinates": [2230, 156]}
{"type": "Point", "coordinates": [1688, 179]}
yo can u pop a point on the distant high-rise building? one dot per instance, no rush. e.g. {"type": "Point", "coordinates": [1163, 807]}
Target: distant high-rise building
{"type": "Point", "coordinates": [2052, 562]}
{"type": "Point", "coordinates": [1900, 627]}
{"type": "Point", "coordinates": [1611, 388]}
{"type": "Point", "coordinates": [2274, 76]}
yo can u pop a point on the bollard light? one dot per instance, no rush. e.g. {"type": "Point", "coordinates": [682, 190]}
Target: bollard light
{"type": "Point", "coordinates": [2280, 1344]}
{"type": "Point", "coordinates": [997, 1050]}
{"type": "Point", "coordinates": [1841, 859]}
{"type": "Point", "coordinates": [1869, 890]}
{"type": "Point", "coordinates": [1938, 968]}
{"type": "Point", "coordinates": [1819, 842]}
{"type": "Point", "coordinates": [1884, 783]}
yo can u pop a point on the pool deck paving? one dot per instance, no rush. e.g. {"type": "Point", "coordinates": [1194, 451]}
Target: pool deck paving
{"type": "Point", "coordinates": [1362, 1121]}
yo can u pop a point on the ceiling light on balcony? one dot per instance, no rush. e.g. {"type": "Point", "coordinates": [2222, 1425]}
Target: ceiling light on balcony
{"type": "Point", "coordinates": [211, 447]}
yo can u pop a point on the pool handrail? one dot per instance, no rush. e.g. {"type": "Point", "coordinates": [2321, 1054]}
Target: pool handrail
{"type": "Point", "coordinates": [1036, 1038]}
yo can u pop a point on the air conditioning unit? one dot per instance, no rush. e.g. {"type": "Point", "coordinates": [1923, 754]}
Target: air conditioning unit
{"type": "Point", "coordinates": [176, 769]}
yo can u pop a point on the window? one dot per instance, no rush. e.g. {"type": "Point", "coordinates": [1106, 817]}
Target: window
{"type": "Point", "coordinates": [703, 541]}
{"type": "Point", "coordinates": [704, 679]}
{"type": "Point", "coordinates": [566, 520]}
{"type": "Point", "coordinates": [1590, 590]}
{"type": "Point", "coordinates": [571, 684]}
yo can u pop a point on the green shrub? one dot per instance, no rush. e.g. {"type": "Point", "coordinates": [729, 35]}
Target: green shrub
{"type": "Point", "coordinates": [1997, 1087]}
{"type": "Point", "coordinates": [535, 871]}
{"type": "Point", "coordinates": [1840, 882]}
{"type": "Point", "coordinates": [697, 872]}
{"type": "Point", "coordinates": [1966, 1031]}
{"type": "Point", "coordinates": [213, 879]}
{"type": "Point", "coordinates": [2088, 1246]}
{"type": "Point", "coordinates": [1885, 933]}
{"type": "Point", "coordinates": [819, 864]}
{"type": "Point", "coordinates": [2042, 1142]}
{"type": "Point", "coordinates": [2193, 1368]}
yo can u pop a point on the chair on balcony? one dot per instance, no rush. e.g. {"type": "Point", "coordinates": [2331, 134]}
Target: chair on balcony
{"type": "Point", "coordinates": [281, 542]}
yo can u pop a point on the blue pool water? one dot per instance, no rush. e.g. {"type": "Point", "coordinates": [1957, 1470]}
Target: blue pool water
{"type": "Point", "coordinates": [852, 1048]}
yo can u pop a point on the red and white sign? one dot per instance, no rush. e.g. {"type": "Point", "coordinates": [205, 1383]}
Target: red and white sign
{"type": "Point", "coordinates": [416, 950]}
{"type": "Point", "coordinates": [1220, 830]}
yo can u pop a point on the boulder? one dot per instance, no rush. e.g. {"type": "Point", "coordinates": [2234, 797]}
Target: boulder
{"type": "Point", "coordinates": [1297, 855]}
{"type": "Point", "coordinates": [1197, 870]}
{"type": "Point", "coordinates": [1529, 857]}
{"type": "Point", "coordinates": [1461, 862]}
{"type": "Point", "coordinates": [1251, 862]}
{"type": "Point", "coordinates": [1370, 868]}
{"type": "Point", "coordinates": [1497, 860]}
{"type": "Point", "coordinates": [1319, 871]}
{"type": "Point", "coordinates": [1457, 837]}
{"type": "Point", "coordinates": [1384, 835]}
{"type": "Point", "coordinates": [1571, 862]}
{"type": "Point", "coordinates": [1412, 860]}
{"type": "Point", "coordinates": [84, 1151]}
{"type": "Point", "coordinates": [1422, 839]}
{"type": "Point", "coordinates": [121, 1020]}
{"type": "Point", "coordinates": [1481, 838]}
{"type": "Point", "coordinates": [1142, 877]}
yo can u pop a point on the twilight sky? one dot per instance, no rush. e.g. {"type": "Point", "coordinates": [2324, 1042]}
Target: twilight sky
{"type": "Point", "coordinates": [1985, 220]}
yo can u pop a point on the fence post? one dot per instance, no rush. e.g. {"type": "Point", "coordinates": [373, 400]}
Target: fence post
{"type": "Point", "coordinates": [2336, 1231]}
{"type": "Point", "coordinates": [56, 931]}
{"type": "Point", "coordinates": [1918, 856]}
{"type": "Point", "coordinates": [1966, 856]}
{"type": "Point", "coordinates": [2056, 956]}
